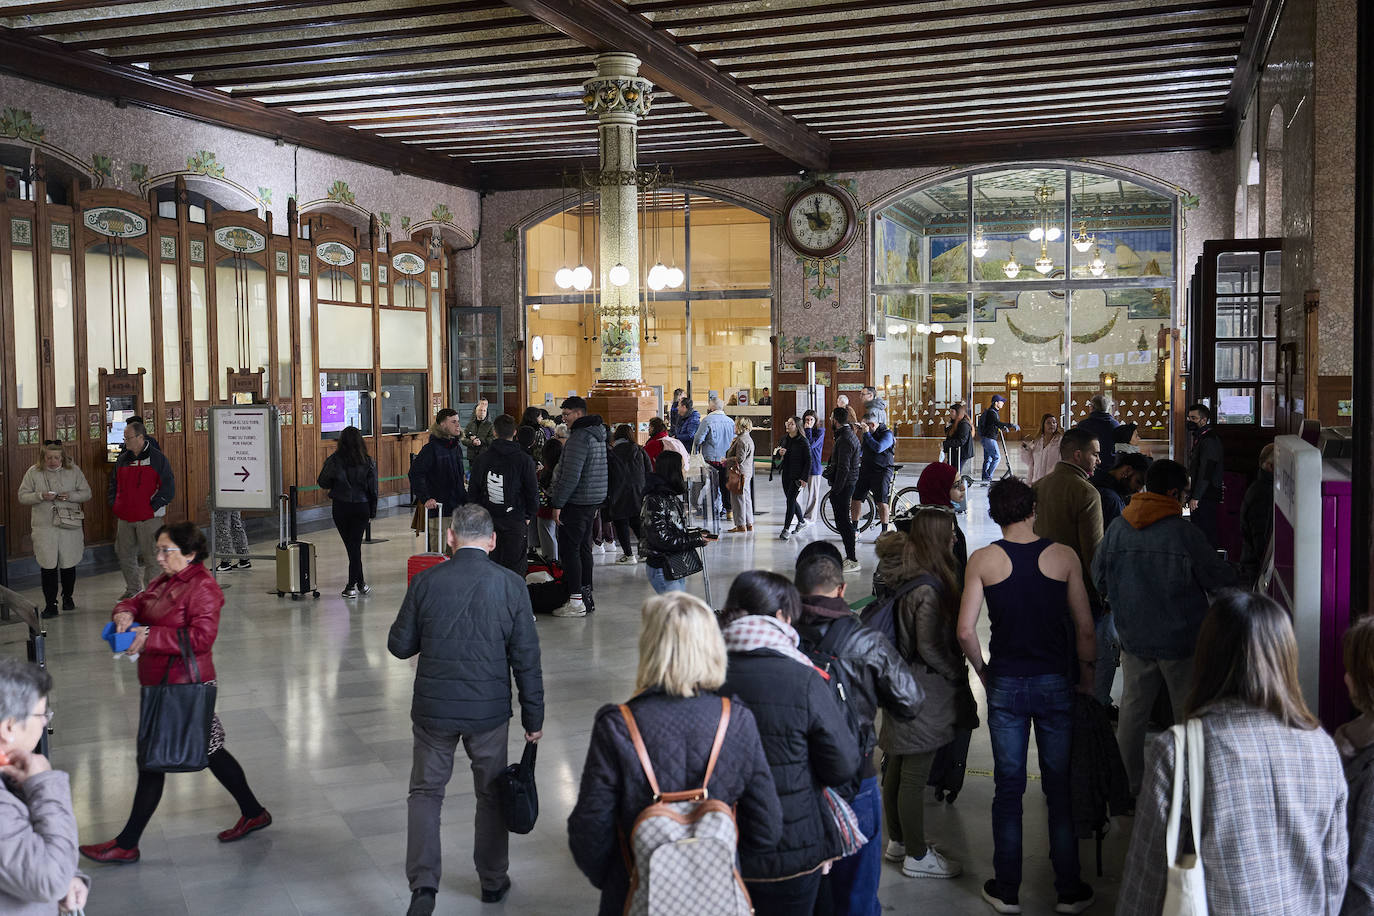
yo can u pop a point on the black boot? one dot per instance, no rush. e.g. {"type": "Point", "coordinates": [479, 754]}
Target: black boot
{"type": "Point", "coordinates": [68, 586]}
{"type": "Point", "coordinates": [49, 578]}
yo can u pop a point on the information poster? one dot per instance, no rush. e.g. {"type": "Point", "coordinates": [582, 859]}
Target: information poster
{"type": "Point", "coordinates": [245, 457]}
{"type": "Point", "coordinates": [339, 410]}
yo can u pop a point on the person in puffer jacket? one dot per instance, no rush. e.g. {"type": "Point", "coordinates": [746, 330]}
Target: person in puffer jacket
{"type": "Point", "coordinates": [806, 738]}
{"type": "Point", "coordinates": [436, 474]}
{"type": "Point", "coordinates": [844, 477]}
{"type": "Point", "coordinates": [140, 488]}
{"type": "Point", "coordinates": [663, 519]}
{"type": "Point", "coordinates": [578, 492]}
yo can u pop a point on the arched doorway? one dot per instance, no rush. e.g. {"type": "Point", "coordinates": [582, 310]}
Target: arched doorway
{"type": "Point", "coordinates": [1050, 283]}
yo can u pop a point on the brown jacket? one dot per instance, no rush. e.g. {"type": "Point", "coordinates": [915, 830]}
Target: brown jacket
{"type": "Point", "coordinates": [1068, 511]}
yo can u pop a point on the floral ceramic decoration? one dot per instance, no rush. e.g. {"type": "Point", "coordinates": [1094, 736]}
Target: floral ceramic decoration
{"type": "Point", "coordinates": [169, 247]}
{"type": "Point", "coordinates": [197, 251]}
{"type": "Point", "coordinates": [18, 123]}
{"type": "Point", "coordinates": [335, 254]}
{"type": "Point", "coordinates": [21, 232]}
{"type": "Point", "coordinates": [203, 163]}
{"type": "Point", "coordinates": [303, 264]}
{"type": "Point", "coordinates": [412, 265]}
{"type": "Point", "coordinates": [240, 239]}
{"type": "Point", "coordinates": [283, 260]}
{"type": "Point", "coordinates": [339, 192]}
{"type": "Point", "coordinates": [61, 236]}
{"type": "Point", "coordinates": [115, 222]}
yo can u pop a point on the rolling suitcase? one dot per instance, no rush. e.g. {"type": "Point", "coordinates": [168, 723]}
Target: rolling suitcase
{"type": "Point", "coordinates": [295, 558]}
{"type": "Point", "coordinates": [430, 557]}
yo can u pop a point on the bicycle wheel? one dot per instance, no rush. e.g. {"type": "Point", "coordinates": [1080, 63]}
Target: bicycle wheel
{"type": "Point", "coordinates": [906, 499]}
{"type": "Point", "coordinates": [828, 513]}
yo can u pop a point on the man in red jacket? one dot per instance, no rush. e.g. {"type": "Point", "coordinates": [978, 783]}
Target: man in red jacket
{"type": "Point", "coordinates": [140, 489]}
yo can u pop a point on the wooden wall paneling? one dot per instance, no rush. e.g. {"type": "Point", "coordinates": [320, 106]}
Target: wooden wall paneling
{"type": "Point", "coordinates": [43, 306]}
{"type": "Point", "coordinates": [10, 472]}
{"type": "Point", "coordinates": [90, 452]}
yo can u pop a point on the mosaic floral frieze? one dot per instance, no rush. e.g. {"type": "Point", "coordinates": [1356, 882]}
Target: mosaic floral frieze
{"type": "Point", "coordinates": [405, 224]}
{"type": "Point", "coordinates": [265, 196]}
{"type": "Point", "coordinates": [384, 220]}
{"type": "Point", "coordinates": [138, 171]}
{"type": "Point", "coordinates": [442, 213]}
{"type": "Point", "coordinates": [204, 162]}
{"type": "Point", "coordinates": [102, 166]}
{"type": "Point", "coordinates": [19, 124]}
{"type": "Point", "coordinates": [115, 222]}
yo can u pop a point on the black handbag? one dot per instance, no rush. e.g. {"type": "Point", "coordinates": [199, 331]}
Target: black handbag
{"type": "Point", "coordinates": [681, 565]}
{"type": "Point", "coordinates": [174, 720]}
{"type": "Point", "coordinates": [519, 796]}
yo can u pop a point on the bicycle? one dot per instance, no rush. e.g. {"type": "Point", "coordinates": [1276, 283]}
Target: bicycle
{"type": "Point", "coordinates": [899, 502]}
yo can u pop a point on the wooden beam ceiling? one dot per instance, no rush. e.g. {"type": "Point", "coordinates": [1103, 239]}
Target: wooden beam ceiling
{"type": "Point", "coordinates": [605, 25]}
{"type": "Point", "coordinates": [49, 62]}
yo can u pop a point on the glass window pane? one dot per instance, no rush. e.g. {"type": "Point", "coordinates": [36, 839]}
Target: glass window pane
{"type": "Point", "coordinates": [337, 285]}
{"type": "Point", "coordinates": [1271, 360]}
{"type": "Point", "coordinates": [307, 341]}
{"type": "Point", "coordinates": [1238, 317]}
{"type": "Point", "coordinates": [345, 336]}
{"type": "Point", "coordinates": [1273, 271]}
{"type": "Point", "coordinates": [240, 318]}
{"type": "Point", "coordinates": [403, 404]}
{"type": "Point", "coordinates": [64, 331]}
{"type": "Point", "coordinates": [282, 381]}
{"type": "Point", "coordinates": [26, 330]}
{"type": "Point", "coordinates": [1021, 215]}
{"type": "Point", "coordinates": [1128, 226]}
{"type": "Point", "coordinates": [924, 236]}
{"type": "Point", "coordinates": [1271, 316]}
{"type": "Point", "coordinates": [200, 337]}
{"type": "Point", "coordinates": [346, 400]}
{"type": "Point", "coordinates": [171, 335]}
{"type": "Point", "coordinates": [1238, 272]}
{"type": "Point", "coordinates": [1237, 362]}
{"type": "Point", "coordinates": [1236, 405]}
{"type": "Point", "coordinates": [400, 330]}
{"type": "Point", "coordinates": [100, 328]}
{"type": "Point", "coordinates": [730, 246]}
{"type": "Point", "coordinates": [730, 347]}
{"type": "Point", "coordinates": [1267, 399]}
{"type": "Point", "coordinates": [436, 344]}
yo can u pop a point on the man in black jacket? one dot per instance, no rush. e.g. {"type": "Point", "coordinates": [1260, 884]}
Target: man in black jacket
{"type": "Point", "coordinates": [990, 427]}
{"type": "Point", "coordinates": [470, 622]}
{"type": "Point", "coordinates": [873, 676]}
{"type": "Point", "coordinates": [503, 483]}
{"type": "Point", "coordinates": [844, 477]}
{"type": "Point", "coordinates": [1206, 464]}
{"type": "Point", "coordinates": [436, 474]}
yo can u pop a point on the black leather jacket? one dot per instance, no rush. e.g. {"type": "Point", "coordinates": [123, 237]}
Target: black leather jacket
{"type": "Point", "coordinates": [845, 458]}
{"type": "Point", "coordinates": [664, 520]}
{"type": "Point", "coordinates": [869, 664]}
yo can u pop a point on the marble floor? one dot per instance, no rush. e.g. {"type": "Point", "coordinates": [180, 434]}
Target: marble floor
{"type": "Point", "coordinates": [316, 710]}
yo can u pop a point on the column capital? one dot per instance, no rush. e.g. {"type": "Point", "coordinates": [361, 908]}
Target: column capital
{"type": "Point", "coordinates": [603, 95]}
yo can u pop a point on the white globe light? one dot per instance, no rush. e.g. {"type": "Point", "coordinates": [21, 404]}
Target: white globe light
{"type": "Point", "coordinates": [1011, 268]}
{"type": "Point", "coordinates": [922, 329]}
{"type": "Point", "coordinates": [1082, 245]}
{"type": "Point", "coordinates": [619, 275]}
{"type": "Point", "coordinates": [1036, 234]}
{"type": "Point", "coordinates": [980, 247]}
{"type": "Point", "coordinates": [656, 280]}
{"type": "Point", "coordinates": [674, 277]}
{"type": "Point", "coordinates": [1053, 233]}
{"type": "Point", "coordinates": [564, 277]}
{"type": "Point", "coordinates": [937, 329]}
{"type": "Point", "coordinates": [582, 277]}
{"type": "Point", "coordinates": [1044, 264]}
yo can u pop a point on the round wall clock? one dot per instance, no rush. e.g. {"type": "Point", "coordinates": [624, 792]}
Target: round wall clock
{"type": "Point", "coordinates": [537, 348]}
{"type": "Point", "coordinates": [821, 221]}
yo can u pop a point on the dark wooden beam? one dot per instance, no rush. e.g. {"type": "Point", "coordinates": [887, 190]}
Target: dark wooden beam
{"type": "Point", "coordinates": [268, 24]}
{"type": "Point", "coordinates": [1259, 28]}
{"type": "Point", "coordinates": [47, 61]}
{"type": "Point", "coordinates": [605, 25]}
{"type": "Point", "coordinates": [47, 30]}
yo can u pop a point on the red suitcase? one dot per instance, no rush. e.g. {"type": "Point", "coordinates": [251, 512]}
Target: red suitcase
{"type": "Point", "coordinates": [422, 561]}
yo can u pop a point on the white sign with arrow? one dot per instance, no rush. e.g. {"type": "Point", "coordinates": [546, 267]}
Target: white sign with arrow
{"type": "Point", "coordinates": [245, 457]}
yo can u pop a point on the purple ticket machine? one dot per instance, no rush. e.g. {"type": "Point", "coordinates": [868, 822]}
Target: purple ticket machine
{"type": "Point", "coordinates": [1311, 568]}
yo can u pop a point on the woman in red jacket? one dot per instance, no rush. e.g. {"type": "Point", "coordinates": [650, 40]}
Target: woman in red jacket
{"type": "Point", "coordinates": [185, 596]}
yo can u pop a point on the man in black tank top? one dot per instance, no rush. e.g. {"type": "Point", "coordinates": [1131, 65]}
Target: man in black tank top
{"type": "Point", "coordinates": [1043, 648]}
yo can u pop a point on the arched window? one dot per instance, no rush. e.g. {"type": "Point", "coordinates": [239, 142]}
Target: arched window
{"type": "Point", "coordinates": [1046, 284]}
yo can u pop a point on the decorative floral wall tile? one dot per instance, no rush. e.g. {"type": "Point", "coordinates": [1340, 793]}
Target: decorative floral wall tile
{"type": "Point", "coordinates": [197, 251]}
{"type": "Point", "coordinates": [366, 268]}
{"type": "Point", "coordinates": [169, 248]}
{"type": "Point", "coordinates": [21, 232]}
{"type": "Point", "coordinates": [283, 262]}
{"type": "Point", "coordinates": [303, 265]}
{"type": "Point", "coordinates": [434, 279]}
{"type": "Point", "coordinates": [61, 236]}
{"type": "Point", "coordinates": [203, 163]}
{"type": "Point", "coordinates": [381, 273]}
{"type": "Point", "coordinates": [339, 191]}
{"type": "Point", "coordinates": [18, 123]}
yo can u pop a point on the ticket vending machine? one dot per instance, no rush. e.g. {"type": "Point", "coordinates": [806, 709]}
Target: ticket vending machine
{"type": "Point", "coordinates": [121, 397]}
{"type": "Point", "coordinates": [1311, 568]}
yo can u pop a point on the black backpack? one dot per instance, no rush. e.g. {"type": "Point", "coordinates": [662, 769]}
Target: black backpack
{"type": "Point", "coordinates": [823, 656]}
{"type": "Point", "coordinates": [881, 615]}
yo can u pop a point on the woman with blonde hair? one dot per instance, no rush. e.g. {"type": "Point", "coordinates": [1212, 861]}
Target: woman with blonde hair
{"type": "Point", "coordinates": [676, 713]}
{"type": "Point", "coordinates": [55, 488]}
{"type": "Point", "coordinates": [1274, 821]}
{"type": "Point", "coordinates": [1042, 451]}
{"type": "Point", "coordinates": [740, 457]}
{"type": "Point", "coordinates": [925, 622]}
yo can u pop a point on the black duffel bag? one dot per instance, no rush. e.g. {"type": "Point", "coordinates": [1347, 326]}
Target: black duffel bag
{"type": "Point", "coordinates": [519, 796]}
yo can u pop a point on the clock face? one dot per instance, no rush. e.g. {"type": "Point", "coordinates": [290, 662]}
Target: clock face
{"type": "Point", "coordinates": [537, 348]}
{"type": "Point", "coordinates": [820, 222]}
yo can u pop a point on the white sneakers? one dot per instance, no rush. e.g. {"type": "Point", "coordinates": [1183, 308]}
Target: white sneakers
{"type": "Point", "coordinates": [626, 560]}
{"type": "Point", "coordinates": [931, 865]}
{"type": "Point", "coordinates": [851, 566]}
{"type": "Point", "coordinates": [574, 608]}
{"type": "Point", "coordinates": [895, 851]}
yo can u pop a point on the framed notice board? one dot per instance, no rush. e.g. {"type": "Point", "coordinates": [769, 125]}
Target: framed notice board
{"type": "Point", "coordinates": [245, 457]}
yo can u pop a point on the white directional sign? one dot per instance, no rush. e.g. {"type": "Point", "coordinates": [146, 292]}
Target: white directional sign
{"type": "Point", "coordinates": [245, 457]}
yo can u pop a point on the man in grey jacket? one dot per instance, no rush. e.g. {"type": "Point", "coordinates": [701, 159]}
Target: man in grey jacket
{"type": "Point", "coordinates": [37, 828]}
{"type": "Point", "coordinates": [578, 491]}
{"type": "Point", "coordinates": [470, 622]}
{"type": "Point", "coordinates": [713, 439]}
{"type": "Point", "coordinates": [1155, 570]}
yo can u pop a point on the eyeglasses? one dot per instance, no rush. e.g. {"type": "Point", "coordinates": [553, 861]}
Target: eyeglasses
{"type": "Point", "coordinates": [172, 549]}
{"type": "Point", "coordinates": [46, 716]}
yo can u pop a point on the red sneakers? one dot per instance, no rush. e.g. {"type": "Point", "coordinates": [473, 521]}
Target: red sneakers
{"type": "Point", "coordinates": [109, 852]}
{"type": "Point", "coordinates": [245, 826]}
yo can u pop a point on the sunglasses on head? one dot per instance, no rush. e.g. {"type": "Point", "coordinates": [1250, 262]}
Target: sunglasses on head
{"type": "Point", "coordinates": [56, 442]}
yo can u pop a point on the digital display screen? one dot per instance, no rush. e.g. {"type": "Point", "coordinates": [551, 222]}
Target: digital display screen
{"type": "Point", "coordinates": [340, 409]}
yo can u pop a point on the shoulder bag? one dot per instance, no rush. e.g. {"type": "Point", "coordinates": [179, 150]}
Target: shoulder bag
{"type": "Point", "coordinates": [1185, 891]}
{"type": "Point", "coordinates": [519, 795]}
{"type": "Point", "coordinates": [174, 720]}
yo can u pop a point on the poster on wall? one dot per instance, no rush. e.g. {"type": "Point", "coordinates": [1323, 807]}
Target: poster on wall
{"type": "Point", "coordinates": [339, 410]}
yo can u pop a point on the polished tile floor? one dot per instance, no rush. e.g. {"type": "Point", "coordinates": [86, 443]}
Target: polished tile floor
{"type": "Point", "coordinates": [317, 712]}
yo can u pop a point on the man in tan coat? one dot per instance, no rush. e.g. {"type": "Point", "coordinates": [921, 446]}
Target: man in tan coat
{"type": "Point", "coordinates": [1068, 511]}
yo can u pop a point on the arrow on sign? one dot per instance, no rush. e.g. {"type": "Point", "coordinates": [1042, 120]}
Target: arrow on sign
{"type": "Point", "coordinates": [242, 474]}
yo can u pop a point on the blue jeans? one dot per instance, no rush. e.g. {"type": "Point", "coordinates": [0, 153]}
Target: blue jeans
{"type": "Point", "coordinates": [853, 881]}
{"type": "Point", "coordinates": [1014, 704]}
{"type": "Point", "coordinates": [991, 456]}
{"type": "Point", "coordinates": [662, 585]}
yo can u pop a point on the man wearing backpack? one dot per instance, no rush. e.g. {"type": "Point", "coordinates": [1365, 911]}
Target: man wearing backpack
{"type": "Point", "coordinates": [871, 676]}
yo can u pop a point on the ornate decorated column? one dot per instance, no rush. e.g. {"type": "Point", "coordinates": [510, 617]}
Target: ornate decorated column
{"type": "Point", "coordinates": [618, 97]}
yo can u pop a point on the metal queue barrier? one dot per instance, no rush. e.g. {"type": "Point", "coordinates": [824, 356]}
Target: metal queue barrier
{"type": "Point", "coordinates": [27, 612]}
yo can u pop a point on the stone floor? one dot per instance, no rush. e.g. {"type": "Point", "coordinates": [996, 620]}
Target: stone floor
{"type": "Point", "coordinates": [317, 712]}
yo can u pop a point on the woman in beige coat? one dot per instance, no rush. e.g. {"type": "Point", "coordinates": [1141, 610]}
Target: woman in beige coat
{"type": "Point", "coordinates": [740, 457]}
{"type": "Point", "coordinates": [56, 488]}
